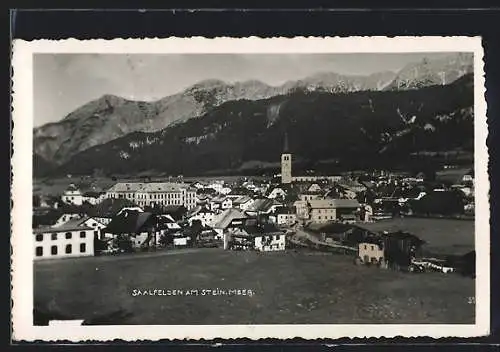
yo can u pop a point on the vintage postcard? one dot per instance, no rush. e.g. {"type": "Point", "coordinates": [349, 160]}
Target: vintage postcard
{"type": "Point", "coordinates": [192, 188]}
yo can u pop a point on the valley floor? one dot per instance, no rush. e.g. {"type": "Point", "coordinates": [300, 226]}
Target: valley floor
{"type": "Point", "coordinates": [288, 287]}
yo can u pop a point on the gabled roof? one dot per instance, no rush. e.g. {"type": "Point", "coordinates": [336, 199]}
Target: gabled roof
{"type": "Point", "coordinates": [110, 207]}
{"type": "Point", "coordinates": [225, 218]}
{"type": "Point", "coordinates": [262, 204]}
{"type": "Point", "coordinates": [129, 221]}
{"type": "Point", "coordinates": [71, 225]}
{"type": "Point", "coordinates": [242, 200]}
{"type": "Point", "coordinates": [93, 194]}
{"type": "Point", "coordinates": [200, 210]}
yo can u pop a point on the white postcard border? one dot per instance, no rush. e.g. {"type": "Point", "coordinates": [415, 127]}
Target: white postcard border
{"type": "Point", "coordinates": [22, 268]}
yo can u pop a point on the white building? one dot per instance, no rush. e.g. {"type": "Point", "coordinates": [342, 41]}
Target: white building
{"type": "Point", "coordinates": [206, 216]}
{"type": "Point", "coordinates": [155, 193]}
{"type": "Point", "coordinates": [72, 195]}
{"type": "Point", "coordinates": [276, 192]}
{"type": "Point", "coordinates": [242, 202]}
{"type": "Point", "coordinates": [69, 240]}
{"type": "Point", "coordinates": [286, 218]}
{"type": "Point", "coordinates": [93, 197]}
{"type": "Point", "coordinates": [220, 203]}
{"type": "Point", "coordinates": [252, 237]}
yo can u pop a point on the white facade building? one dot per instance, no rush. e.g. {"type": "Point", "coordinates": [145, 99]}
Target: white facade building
{"type": "Point", "coordinates": [63, 242]}
{"type": "Point", "coordinates": [72, 195]}
{"type": "Point", "coordinates": [155, 193]}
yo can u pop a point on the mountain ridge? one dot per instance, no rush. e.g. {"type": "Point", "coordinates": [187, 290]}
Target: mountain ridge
{"type": "Point", "coordinates": [367, 127]}
{"type": "Point", "coordinates": [110, 116]}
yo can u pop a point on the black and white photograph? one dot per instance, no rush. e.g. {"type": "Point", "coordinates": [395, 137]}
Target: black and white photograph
{"type": "Point", "coordinates": [272, 188]}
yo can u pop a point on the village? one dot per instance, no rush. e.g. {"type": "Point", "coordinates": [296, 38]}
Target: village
{"type": "Point", "coordinates": [280, 213]}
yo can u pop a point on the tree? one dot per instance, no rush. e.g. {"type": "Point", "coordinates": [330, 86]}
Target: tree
{"type": "Point", "coordinates": [124, 243]}
{"type": "Point", "coordinates": [195, 230]}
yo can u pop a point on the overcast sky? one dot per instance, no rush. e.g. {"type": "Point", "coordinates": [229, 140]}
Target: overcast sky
{"type": "Point", "coordinates": [63, 82]}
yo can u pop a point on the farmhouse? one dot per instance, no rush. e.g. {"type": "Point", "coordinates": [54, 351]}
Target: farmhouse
{"type": "Point", "coordinates": [263, 206]}
{"type": "Point", "coordinates": [205, 215]}
{"type": "Point", "coordinates": [73, 239]}
{"type": "Point", "coordinates": [227, 220]}
{"type": "Point", "coordinates": [139, 227]}
{"type": "Point", "coordinates": [108, 208]}
{"type": "Point", "coordinates": [284, 216]}
{"type": "Point", "coordinates": [325, 210]}
{"type": "Point", "coordinates": [242, 202]}
{"type": "Point", "coordinates": [253, 236]}
{"type": "Point", "coordinates": [371, 252]}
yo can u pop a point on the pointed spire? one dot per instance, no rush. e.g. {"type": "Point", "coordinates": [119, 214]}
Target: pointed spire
{"type": "Point", "coordinates": [285, 146]}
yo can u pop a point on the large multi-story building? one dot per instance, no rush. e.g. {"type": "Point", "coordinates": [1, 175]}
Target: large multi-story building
{"type": "Point", "coordinates": [155, 193]}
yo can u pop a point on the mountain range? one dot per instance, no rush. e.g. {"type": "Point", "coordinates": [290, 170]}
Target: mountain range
{"type": "Point", "coordinates": [110, 121]}
{"type": "Point", "coordinates": [364, 128]}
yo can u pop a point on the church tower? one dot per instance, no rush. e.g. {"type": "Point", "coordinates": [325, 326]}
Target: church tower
{"type": "Point", "coordinates": [286, 164]}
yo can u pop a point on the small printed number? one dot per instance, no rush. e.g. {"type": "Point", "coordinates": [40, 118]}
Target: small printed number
{"type": "Point", "coordinates": [471, 300]}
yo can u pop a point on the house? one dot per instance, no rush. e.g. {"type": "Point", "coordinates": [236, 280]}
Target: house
{"type": "Point", "coordinates": [90, 222]}
{"type": "Point", "coordinates": [72, 195]}
{"type": "Point", "coordinates": [177, 212]}
{"type": "Point", "coordinates": [263, 206]}
{"type": "Point", "coordinates": [72, 239]}
{"type": "Point", "coordinates": [205, 215]}
{"type": "Point", "coordinates": [64, 218]}
{"type": "Point", "coordinates": [93, 197]}
{"type": "Point", "coordinates": [138, 227]}
{"type": "Point", "coordinates": [254, 236]}
{"type": "Point", "coordinates": [366, 213]}
{"type": "Point", "coordinates": [468, 177]}
{"type": "Point", "coordinates": [242, 202]}
{"type": "Point", "coordinates": [371, 252]}
{"type": "Point", "coordinates": [109, 208]}
{"type": "Point", "coordinates": [221, 203]}
{"type": "Point", "coordinates": [198, 185]}
{"type": "Point", "coordinates": [276, 193]}
{"type": "Point", "coordinates": [227, 220]}
{"type": "Point", "coordinates": [324, 210]}
{"type": "Point", "coordinates": [301, 209]}
{"type": "Point", "coordinates": [284, 217]}
{"type": "Point", "coordinates": [48, 202]}
{"type": "Point", "coordinates": [314, 188]}
{"type": "Point", "coordinates": [225, 190]}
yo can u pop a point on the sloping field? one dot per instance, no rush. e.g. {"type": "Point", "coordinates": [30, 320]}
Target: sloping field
{"type": "Point", "coordinates": [287, 287]}
{"type": "Point", "coordinates": [443, 236]}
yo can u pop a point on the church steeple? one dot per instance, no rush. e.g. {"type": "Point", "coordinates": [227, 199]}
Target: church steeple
{"type": "Point", "coordinates": [286, 163]}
